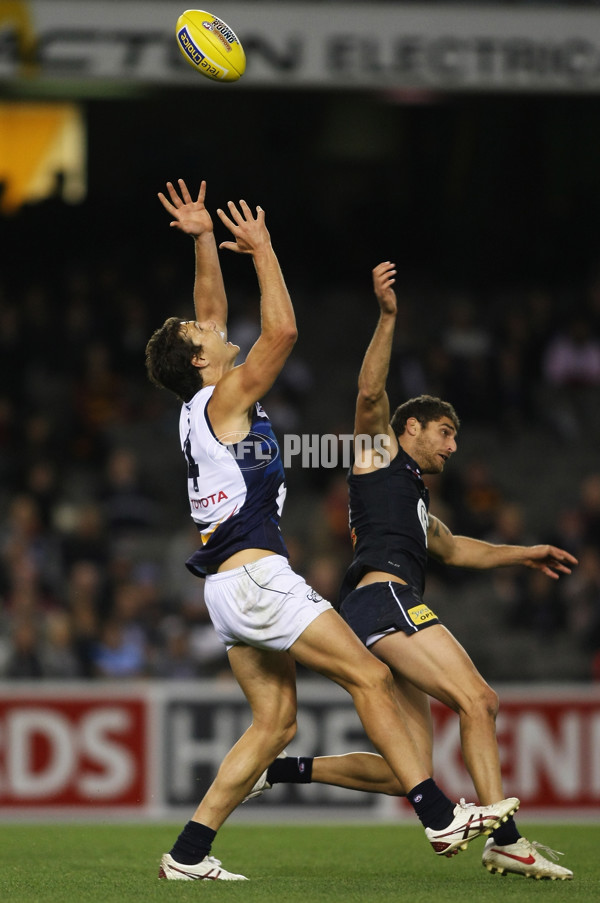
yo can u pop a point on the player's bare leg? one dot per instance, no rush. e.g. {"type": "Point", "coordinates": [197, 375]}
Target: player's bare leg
{"type": "Point", "coordinates": [437, 664]}
{"type": "Point", "coordinates": [329, 647]}
{"type": "Point", "coordinates": [269, 684]}
{"type": "Point", "coordinates": [369, 772]}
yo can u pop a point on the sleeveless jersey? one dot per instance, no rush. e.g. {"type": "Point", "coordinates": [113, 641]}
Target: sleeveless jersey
{"type": "Point", "coordinates": [236, 491]}
{"type": "Point", "coordinates": [388, 523]}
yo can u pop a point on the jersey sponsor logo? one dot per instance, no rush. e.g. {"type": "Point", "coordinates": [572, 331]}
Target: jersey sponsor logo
{"type": "Point", "coordinates": [420, 614]}
{"type": "Point", "coordinates": [212, 499]}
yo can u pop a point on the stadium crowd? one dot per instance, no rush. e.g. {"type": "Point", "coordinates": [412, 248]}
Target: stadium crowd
{"type": "Point", "coordinates": [94, 523]}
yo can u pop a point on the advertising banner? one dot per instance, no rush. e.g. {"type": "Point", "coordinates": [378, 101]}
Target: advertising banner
{"type": "Point", "coordinates": [73, 749]}
{"type": "Point", "coordinates": [462, 47]}
{"type": "Point", "coordinates": [151, 749]}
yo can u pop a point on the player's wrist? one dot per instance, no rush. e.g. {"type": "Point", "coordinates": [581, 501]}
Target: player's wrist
{"type": "Point", "coordinates": [201, 237]}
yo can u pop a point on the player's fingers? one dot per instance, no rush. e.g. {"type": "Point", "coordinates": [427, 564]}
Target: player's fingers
{"type": "Point", "coordinates": [230, 246]}
{"type": "Point", "coordinates": [225, 219]}
{"type": "Point", "coordinates": [246, 210]}
{"type": "Point", "coordinates": [187, 199]}
{"type": "Point", "coordinates": [562, 568]}
{"type": "Point", "coordinates": [175, 199]}
{"type": "Point", "coordinates": [166, 204]}
{"type": "Point", "coordinates": [235, 213]}
{"type": "Point", "coordinates": [202, 192]}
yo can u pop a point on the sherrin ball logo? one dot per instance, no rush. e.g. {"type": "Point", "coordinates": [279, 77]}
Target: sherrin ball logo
{"type": "Point", "coordinates": [210, 46]}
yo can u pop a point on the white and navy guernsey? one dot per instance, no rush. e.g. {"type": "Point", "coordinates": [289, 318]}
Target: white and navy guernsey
{"type": "Point", "coordinates": [236, 491]}
{"type": "Point", "coordinates": [388, 523]}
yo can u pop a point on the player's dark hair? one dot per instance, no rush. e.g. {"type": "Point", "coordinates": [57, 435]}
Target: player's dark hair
{"type": "Point", "coordinates": [426, 409]}
{"type": "Point", "coordinates": [169, 356]}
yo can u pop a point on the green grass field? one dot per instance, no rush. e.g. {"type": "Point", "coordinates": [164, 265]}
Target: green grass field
{"type": "Point", "coordinates": [61, 863]}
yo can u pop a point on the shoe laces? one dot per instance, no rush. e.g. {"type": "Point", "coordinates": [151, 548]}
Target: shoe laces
{"type": "Point", "coordinates": [463, 804]}
{"type": "Point", "coordinates": [553, 854]}
{"type": "Point", "coordinates": [213, 860]}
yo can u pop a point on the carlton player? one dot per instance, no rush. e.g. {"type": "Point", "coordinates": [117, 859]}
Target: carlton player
{"type": "Point", "coordinates": [382, 593]}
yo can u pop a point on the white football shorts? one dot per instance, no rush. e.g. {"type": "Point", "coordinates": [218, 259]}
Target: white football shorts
{"type": "Point", "coordinates": [263, 604]}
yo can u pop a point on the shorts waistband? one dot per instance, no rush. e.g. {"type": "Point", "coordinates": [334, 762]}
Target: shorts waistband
{"type": "Point", "coordinates": [232, 573]}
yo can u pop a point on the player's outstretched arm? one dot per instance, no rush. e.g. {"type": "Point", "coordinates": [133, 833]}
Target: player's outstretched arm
{"type": "Point", "coordinates": [466, 552]}
{"type": "Point", "coordinates": [372, 414]}
{"type": "Point", "coordinates": [251, 380]}
{"type": "Point", "coordinates": [191, 217]}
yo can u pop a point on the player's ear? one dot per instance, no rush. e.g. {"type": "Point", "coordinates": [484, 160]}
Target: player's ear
{"type": "Point", "coordinates": [412, 426]}
{"type": "Point", "coordinates": [199, 360]}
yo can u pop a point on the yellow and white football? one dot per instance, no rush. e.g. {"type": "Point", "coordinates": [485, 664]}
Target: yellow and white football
{"type": "Point", "coordinates": [210, 46]}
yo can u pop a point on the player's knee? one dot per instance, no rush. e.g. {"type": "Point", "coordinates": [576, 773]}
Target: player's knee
{"type": "Point", "coordinates": [487, 702]}
{"type": "Point", "coordinates": [281, 735]}
{"type": "Point", "coordinates": [377, 678]}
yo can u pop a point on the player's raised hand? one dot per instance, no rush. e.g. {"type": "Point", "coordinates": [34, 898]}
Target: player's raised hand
{"type": "Point", "coordinates": [190, 216]}
{"type": "Point", "coordinates": [384, 277]}
{"type": "Point", "coordinates": [250, 232]}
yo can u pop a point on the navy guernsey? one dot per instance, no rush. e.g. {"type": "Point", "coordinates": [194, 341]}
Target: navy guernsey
{"type": "Point", "coordinates": [388, 523]}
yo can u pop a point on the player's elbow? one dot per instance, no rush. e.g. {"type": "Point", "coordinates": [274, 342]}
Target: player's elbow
{"type": "Point", "coordinates": [281, 336]}
{"type": "Point", "coordinates": [368, 398]}
{"type": "Point", "coordinates": [290, 336]}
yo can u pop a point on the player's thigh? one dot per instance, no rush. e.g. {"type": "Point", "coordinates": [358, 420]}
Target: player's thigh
{"type": "Point", "coordinates": [329, 647]}
{"type": "Point", "coordinates": [268, 681]}
{"type": "Point", "coordinates": [435, 662]}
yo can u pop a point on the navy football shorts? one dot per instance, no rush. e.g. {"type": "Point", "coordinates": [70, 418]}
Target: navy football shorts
{"type": "Point", "coordinates": [377, 609]}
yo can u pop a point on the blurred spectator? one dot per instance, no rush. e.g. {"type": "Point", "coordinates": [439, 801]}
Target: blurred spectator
{"type": "Point", "coordinates": [571, 369]}
{"type": "Point", "coordinates": [88, 604]}
{"type": "Point", "coordinates": [174, 658]}
{"type": "Point", "coordinates": [84, 536]}
{"type": "Point", "coordinates": [119, 651]}
{"type": "Point", "coordinates": [24, 661]}
{"type": "Point", "coordinates": [99, 403]}
{"type": "Point", "coordinates": [474, 497]}
{"type": "Point", "coordinates": [582, 595]}
{"type": "Point", "coordinates": [25, 543]}
{"type": "Point", "coordinates": [467, 342]}
{"type": "Point", "coordinates": [538, 607]}
{"type": "Point", "coordinates": [127, 506]}
{"type": "Point", "coordinates": [58, 655]}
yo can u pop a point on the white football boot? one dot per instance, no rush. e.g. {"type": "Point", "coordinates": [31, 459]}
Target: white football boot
{"type": "Point", "coordinates": [524, 858]}
{"type": "Point", "coordinates": [470, 821]}
{"type": "Point", "coordinates": [209, 869]}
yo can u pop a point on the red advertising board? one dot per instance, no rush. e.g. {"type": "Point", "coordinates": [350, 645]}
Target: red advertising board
{"type": "Point", "coordinates": [72, 750]}
{"type": "Point", "coordinates": [549, 742]}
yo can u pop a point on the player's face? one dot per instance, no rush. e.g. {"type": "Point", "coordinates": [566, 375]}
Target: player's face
{"type": "Point", "coordinates": [434, 444]}
{"type": "Point", "coordinates": [206, 335]}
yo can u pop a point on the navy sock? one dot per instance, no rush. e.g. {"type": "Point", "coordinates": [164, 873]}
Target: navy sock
{"type": "Point", "coordinates": [290, 770]}
{"type": "Point", "coordinates": [506, 833]}
{"type": "Point", "coordinates": [432, 806]}
{"type": "Point", "coordinates": [193, 844]}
